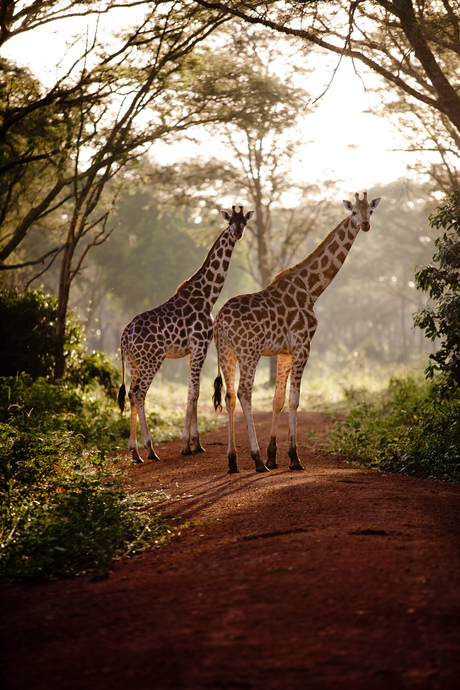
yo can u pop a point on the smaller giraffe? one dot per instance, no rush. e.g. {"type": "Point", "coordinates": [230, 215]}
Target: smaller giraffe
{"type": "Point", "coordinates": [179, 327]}
{"type": "Point", "coordinates": [279, 320]}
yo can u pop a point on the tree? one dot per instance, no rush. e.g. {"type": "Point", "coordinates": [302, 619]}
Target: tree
{"type": "Point", "coordinates": [441, 279]}
{"type": "Point", "coordinates": [258, 140]}
{"type": "Point", "coordinates": [257, 143]}
{"type": "Point", "coordinates": [414, 45]}
{"type": "Point", "coordinates": [103, 96]}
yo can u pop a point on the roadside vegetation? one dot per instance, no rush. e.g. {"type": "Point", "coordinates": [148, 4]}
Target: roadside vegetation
{"type": "Point", "coordinates": [414, 427]}
{"type": "Point", "coordinates": [64, 506]}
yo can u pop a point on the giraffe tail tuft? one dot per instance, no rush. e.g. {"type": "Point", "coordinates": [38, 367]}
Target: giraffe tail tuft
{"type": "Point", "coordinates": [122, 391]}
{"type": "Point", "coordinates": [122, 397]}
{"type": "Point", "coordinates": [217, 397]}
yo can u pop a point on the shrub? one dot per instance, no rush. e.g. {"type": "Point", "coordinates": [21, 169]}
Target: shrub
{"type": "Point", "coordinates": [63, 509]}
{"type": "Point", "coordinates": [441, 279]}
{"type": "Point", "coordinates": [28, 343]}
{"type": "Point", "coordinates": [412, 430]}
{"type": "Point", "coordinates": [29, 328]}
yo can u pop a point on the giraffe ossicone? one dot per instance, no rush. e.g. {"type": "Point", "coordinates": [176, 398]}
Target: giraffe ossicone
{"type": "Point", "coordinates": [179, 327]}
{"type": "Point", "coordinates": [279, 321]}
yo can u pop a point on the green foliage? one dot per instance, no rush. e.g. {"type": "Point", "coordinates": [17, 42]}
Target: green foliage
{"type": "Point", "coordinates": [29, 325]}
{"type": "Point", "coordinates": [85, 369]}
{"type": "Point", "coordinates": [63, 509]}
{"type": "Point", "coordinates": [150, 241]}
{"type": "Point", "coordinates": [442, 281]}
{"type": "Point", "coordinates": [411, 430]}
{"type": "Point", "coordinates": [28, 343]}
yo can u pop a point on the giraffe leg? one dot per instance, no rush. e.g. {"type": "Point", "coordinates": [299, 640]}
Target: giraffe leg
{"type": "Point", "coordinates": [190, 432]}
{"type": "Point", "coordinates": [247, 374]}
{"type": "Point", "coordinates": [294, 396]}
{"type": "Point", "coordinates": [137, 392]}
{"type": "Point", "coordinates": [283, 369]}
{"type": "Point", "coordinates": [132, 445]}
{"type": "Point", "coordinates": [227, 361]}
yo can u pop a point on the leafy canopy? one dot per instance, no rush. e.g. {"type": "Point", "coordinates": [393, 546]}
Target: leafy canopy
{"type": "Point", "coordinates": [441, 280]}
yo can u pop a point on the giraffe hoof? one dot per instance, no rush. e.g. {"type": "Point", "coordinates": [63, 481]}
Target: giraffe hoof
{"type": "Point", "coordinates": [296, 466]}
{"type": "Point", "coordinates": [138, 460]}
{"type": "Point", "coordinates": [199, 449]}
{"type": "Point", "coordinates": [262, 468]}
{"type": "Point", "coordinates": [186, 451]}
{"type": "Point", "coordinates": [232, 470]}
{"type": "Point", "coordinates": [271, 465]}
{"type": "Point", "coordinates": [152, 456]}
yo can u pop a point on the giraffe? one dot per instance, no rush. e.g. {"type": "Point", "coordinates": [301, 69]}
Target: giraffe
{"type": "Point", "coordinates": [179, 327]}
{"type": "Point", "coordinates": [279, 320]}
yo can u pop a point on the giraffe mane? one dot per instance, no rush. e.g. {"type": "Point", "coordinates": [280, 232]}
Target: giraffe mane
{"type": "Point", "coordinates": [310, 257]}
{"type": "Point", "coordinates": [203, 265]}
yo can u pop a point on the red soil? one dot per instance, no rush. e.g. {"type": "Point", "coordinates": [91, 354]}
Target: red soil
{"type": "Point", "coordinates": [336, 577]}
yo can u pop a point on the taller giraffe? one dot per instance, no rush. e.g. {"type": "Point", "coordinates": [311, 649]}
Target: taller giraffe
{"type": "Point", "coordinates": [179, 327]}
{"type": "Point", "coordinates": [279, 320]}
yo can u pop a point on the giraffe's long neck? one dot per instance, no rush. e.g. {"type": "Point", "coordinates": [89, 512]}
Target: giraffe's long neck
{"type": "Point", "coordinates": [322, 265]}
{"type": "Point", "coordinates": [209, 280]}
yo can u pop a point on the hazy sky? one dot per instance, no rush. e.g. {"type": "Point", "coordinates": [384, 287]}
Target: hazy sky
{"type": "Point", "coordinates": [350, 144]}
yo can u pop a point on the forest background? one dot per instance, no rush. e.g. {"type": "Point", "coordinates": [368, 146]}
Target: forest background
{"type": "Point", "coordinates": [121, 145]}
{"type": "Point", "coordinates": [126, 126]}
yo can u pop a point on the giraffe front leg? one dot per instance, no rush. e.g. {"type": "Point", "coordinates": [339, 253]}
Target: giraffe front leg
{"type": "Point", "coordinates": [282, 373]}
{"type": "Point", "coordinates": [190, 433]}
{"type": "Point", "coordinates": [294, 397]}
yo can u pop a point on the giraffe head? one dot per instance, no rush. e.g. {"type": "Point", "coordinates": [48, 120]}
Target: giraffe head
{"type": "Point", "coordinates": [237, 221]}
{"type": "Point", "coordinates": [361, 211]}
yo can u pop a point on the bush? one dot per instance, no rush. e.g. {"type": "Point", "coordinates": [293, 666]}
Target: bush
{"type": "Point", "coordinates": [63, 509]}
{"type": "Point", "coordinates": [29, 329]}
{"type": "Point", "coordinates": [441, 280]}
{"type": "Point", "coordinates": [28, 343]}
{"type": "Point", "coordinates": [412, 430]}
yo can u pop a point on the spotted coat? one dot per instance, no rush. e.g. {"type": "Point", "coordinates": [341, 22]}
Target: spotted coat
{"type": "Point", "coordinates": [280, 320]}
{"type": "Point", "coordinates": [179, 327]}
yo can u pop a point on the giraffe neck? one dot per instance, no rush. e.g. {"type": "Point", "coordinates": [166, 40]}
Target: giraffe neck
{"type": "Point", "coordinates": [209, 280]}
{"type": "Point", "coordinates": [321, 266]}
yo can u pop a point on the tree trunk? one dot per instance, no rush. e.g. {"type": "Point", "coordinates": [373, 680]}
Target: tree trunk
{"type": "Point", "coordinates": [63, 304]}
{"type": "Point", "coordinates": [265, 270]}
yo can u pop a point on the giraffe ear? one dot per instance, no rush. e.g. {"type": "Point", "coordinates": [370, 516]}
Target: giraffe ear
{"type": "Point", "coordinates": [348, 205]}
{"type": "Point", "coordinates": [374, 203]}
{"type": "Point", "coordinates": [248, 216]}
{"type": "Point", "coordinates": [226, 216]}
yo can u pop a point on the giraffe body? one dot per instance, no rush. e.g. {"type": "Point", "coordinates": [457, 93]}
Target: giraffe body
{"type": "Point", "coordinates": [279, 321]}
{"type": "Point", "coordinates": [179, 327]}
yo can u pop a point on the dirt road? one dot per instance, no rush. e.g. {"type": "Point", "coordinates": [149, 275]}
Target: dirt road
{"type": "Point", "coordinates": [332, 578]}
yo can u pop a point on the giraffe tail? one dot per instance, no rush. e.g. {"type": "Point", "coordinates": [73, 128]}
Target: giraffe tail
{"type": "Point", "coordinates": [218, 382]}
{"type": "Point", "coordinates": [122, 391]}
{"type": "Point", "coordinates": [217, 397]}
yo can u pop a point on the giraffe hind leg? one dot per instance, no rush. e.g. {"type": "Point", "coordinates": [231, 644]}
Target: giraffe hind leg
{"type": "Point", "coordinates": [282, 373]}
{"type": "Point", "coordinates": [227, 361]}
{"type": "Point", "coordinates": [132, 443]}
{"type": "Point", "coordinates": [137, 392]}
